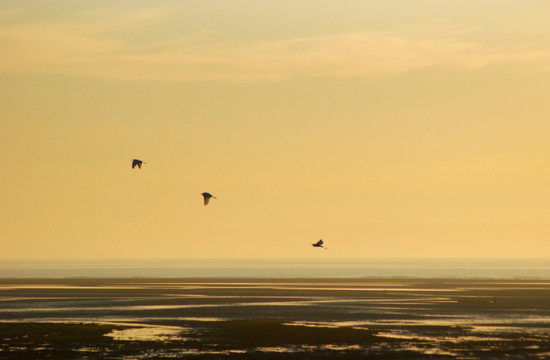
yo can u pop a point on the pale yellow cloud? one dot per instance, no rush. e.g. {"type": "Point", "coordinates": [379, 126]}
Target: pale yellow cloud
{"type": "Point", "coordinates": [97, 46]}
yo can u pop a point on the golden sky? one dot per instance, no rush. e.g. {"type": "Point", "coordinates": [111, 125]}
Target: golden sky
{"type": "Point", "coordinates": [387, 128]}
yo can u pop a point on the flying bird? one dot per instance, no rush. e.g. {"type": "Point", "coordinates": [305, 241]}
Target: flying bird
{"type": "Point", "coordinates": [319, 244]}
{"type": "Point", "coordinates": [207, 197]}
{"type": "Point", "coordinates": [137, 163]}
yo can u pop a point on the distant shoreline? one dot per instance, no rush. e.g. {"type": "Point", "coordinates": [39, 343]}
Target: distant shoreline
{"type": "Point", "coordinates": [310, 268]}
{"type": "Point", "coordinates": [226, 281]}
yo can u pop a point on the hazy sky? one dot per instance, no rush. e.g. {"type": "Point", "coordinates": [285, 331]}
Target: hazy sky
{"type": "Point", "coordinates": [387, 128]}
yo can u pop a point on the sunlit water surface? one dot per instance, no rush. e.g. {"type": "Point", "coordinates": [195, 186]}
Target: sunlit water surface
{"type": "Point", "coordinates": [446, 319]}
{"type": "Point", "coordinates": [479, 309]}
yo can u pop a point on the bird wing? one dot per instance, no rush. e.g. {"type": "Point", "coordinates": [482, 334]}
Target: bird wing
{"type": "Point", "coordinates": [320, 242]}
{"type": "Point", "coordinates": [137, 163]}
{"type": "Point", "coordinates": [206, 200]}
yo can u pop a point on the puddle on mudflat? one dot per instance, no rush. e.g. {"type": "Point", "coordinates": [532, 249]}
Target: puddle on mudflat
{"type": "Point", "coordinates": [201, 319]}
{"type": "Point", "coordinates": [406, 335]}
{"type": "Point", "coordinates": [277, 349]}
{"type": "Point", "coordinates": [135, 332]}
{"type": "Point", "coordinates": [86, 349]}
{"type": "Point", "coordinates": [433, 351]}
{"type": "Point", "coordinates": [149, 333]}
{"type": "Point", "coordinates": [335, 347]}
{"type": "Point", "coordinates": [307, 348]}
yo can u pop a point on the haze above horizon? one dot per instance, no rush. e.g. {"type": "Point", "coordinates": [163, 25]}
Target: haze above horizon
{"type": "Point", "coordinates": [385, 128]}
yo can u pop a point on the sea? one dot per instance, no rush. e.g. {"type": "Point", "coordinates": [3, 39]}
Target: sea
{"type": "Point", "coordinates": [457, 268]}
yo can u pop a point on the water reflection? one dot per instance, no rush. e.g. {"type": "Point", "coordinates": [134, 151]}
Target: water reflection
{"type": "Point", "coordinates": [149, 333]}
{"type": "Point", "coordinates": [430, 318]}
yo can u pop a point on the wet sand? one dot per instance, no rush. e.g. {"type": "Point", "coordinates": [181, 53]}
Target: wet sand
{"type": "Point", "coordinates": [274, 318]}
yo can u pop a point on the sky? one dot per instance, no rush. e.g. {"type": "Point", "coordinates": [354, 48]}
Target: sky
{"type": "Point", "coordinates": [387, 128]}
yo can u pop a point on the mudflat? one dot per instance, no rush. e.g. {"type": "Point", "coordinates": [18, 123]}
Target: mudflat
{"type": "Point", "coordinates": [371, 318]}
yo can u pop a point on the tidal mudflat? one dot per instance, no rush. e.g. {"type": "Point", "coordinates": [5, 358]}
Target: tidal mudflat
{"type": "Point", "coordinates": [395, 318]}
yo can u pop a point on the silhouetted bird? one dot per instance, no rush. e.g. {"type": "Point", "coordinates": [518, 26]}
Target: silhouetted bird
{"type": "Point", "coordinates": [137, 163]}
{"type": "Point", "coordinates": [319, 244]}
{"type": "Point", "coordinates": [207, 197]}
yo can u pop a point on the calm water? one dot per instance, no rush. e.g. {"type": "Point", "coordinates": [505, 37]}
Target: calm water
{"type": "Point", "coordinates": [255, 319]}
{"type": "Point", "coordinates": [282, 268]}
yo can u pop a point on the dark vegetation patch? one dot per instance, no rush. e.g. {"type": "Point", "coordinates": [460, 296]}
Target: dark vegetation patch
{"type": "Point", "coordinates": [54, 333]}
{"type": "Point", "coordinates": [257, 333]}
{"type": "Point", "coordinates": [53, 340]}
